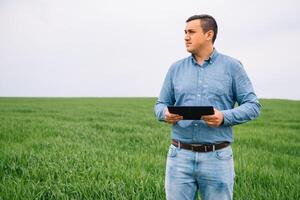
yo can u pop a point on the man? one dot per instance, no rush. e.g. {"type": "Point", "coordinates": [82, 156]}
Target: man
{"type": "Point", "coordinates": [200, 156]}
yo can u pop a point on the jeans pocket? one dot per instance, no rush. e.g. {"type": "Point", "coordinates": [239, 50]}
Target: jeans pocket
{"type": "Point", "coordinates": [172, 151]}
{"type": "Point", "coordinates": [224, 154]}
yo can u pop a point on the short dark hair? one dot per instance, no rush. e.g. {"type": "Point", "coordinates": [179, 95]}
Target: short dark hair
{"type": "Point", "coordinates": [207, 23]}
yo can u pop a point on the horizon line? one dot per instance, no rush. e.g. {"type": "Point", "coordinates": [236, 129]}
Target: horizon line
{"type": "Point", "coordinates": [86, 97]}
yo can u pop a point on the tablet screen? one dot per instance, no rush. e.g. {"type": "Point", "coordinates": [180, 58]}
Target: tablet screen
{"type": "Point", "coordinates": [191, 112]}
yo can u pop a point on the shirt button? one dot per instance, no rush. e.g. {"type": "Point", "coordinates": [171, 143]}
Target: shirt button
{"type": "Point", "coordinates": [196, 124]}
{"type": "Point", "coordinates": [198, 95]}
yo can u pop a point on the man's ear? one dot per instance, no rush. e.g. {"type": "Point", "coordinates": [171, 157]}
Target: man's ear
{"type": "Point", "coordinates": [209, 35]}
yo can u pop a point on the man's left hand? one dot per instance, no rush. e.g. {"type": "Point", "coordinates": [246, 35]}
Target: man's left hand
{"type": "Point", "coordinates": [214, 120]}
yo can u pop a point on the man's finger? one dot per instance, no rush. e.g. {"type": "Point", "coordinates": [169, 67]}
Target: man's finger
{"type": "Point", "coordinates": [171, 115]}
{"type": "Point", "coordinates": [211, 124]}
{"type": "Point", "coordinates": [174, 117]}
{"type": "Point", "coordinates": [208, 118]}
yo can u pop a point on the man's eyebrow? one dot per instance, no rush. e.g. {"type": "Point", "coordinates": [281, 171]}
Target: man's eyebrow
{"type": "Point", "coordinates": [190, 29]}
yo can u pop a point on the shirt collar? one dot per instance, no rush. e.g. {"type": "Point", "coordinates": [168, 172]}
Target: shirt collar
{"type": "Point", "coordinates": [210, 59]}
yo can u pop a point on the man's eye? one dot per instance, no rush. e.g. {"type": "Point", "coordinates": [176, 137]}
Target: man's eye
{"type": "Point", "coordinates": [189, 32]}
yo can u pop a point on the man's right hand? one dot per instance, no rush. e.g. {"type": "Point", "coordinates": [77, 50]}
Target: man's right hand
{"type": "Point", "coordinates": [172, 118]}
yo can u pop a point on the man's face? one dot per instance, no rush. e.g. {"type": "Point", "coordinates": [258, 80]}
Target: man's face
{"type": "Point", "coordinates": [194, 38]}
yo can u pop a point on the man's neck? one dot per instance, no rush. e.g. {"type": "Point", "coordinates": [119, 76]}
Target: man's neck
{"type": "Point", "coordinates": [203, 54]}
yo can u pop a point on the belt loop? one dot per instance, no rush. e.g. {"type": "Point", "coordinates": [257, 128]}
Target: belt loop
{"type": "Point", "coordinates": [213, 147]}
{"type": "Point", "coordinates": [179, 144]}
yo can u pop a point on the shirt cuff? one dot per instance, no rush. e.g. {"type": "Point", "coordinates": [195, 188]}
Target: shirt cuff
{"type": "Point", "coordinates": [162, 114]}
{"type": "Point", "coordinates": [227, 118]}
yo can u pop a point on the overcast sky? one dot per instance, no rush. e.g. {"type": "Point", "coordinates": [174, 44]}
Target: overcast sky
{"type": "Point", "coordinates": [124, 48]}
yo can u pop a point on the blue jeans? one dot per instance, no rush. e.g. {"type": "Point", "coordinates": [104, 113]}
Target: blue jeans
{"type": "Point", "coordinates": [212, 173]}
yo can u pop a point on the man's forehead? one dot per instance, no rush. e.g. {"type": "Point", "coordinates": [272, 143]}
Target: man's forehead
{"type": "Point", "coordinates": [194, 24]}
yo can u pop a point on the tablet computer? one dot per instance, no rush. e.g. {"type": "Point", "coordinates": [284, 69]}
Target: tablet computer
{"type": "Point", "coordinates": [191, 112]}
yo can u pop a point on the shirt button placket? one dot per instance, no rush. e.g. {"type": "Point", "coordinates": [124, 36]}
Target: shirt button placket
{"type": "Point", "coordinates": [200, 82]}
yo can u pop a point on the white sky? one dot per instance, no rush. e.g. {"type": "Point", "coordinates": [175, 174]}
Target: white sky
{"type": "Point", "coordinates": [124, 48]}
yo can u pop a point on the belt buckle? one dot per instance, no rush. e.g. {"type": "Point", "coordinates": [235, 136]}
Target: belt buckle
{"type": "Point", "coordinates": [194, 146]}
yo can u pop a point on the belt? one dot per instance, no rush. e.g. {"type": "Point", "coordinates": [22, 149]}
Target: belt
{"type": "Point", "coordinates": [200, 147]}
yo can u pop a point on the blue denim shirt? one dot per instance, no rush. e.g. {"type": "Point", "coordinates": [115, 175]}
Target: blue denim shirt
{"type": "Point", "coordinates": [220, 81]}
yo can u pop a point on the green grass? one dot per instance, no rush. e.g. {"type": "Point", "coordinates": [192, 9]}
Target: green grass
{"type": "Point", "coordinates": [114, 148]}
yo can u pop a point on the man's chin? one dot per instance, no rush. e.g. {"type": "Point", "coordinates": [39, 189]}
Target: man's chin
{"type": "Point", "coordinates": [189, 50]}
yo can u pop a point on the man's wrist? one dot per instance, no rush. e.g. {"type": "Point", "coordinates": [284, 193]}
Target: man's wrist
{"type": "Point", "coordinates": [222, 123]}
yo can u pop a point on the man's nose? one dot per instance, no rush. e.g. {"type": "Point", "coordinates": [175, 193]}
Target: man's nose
{"type": "Point", "coordinates": [186, 37]}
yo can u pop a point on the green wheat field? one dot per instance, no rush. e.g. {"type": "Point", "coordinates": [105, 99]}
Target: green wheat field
{"type": "Point", "coordinates": [114, 148]}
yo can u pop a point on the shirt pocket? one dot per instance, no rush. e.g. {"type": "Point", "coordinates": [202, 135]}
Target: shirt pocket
{"type": "Point", "coordinates": [185, 93]}
{"type": "Point", "coordinates": [218, 92]}
{"type": "Point", "coordinates": [219, 86]}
